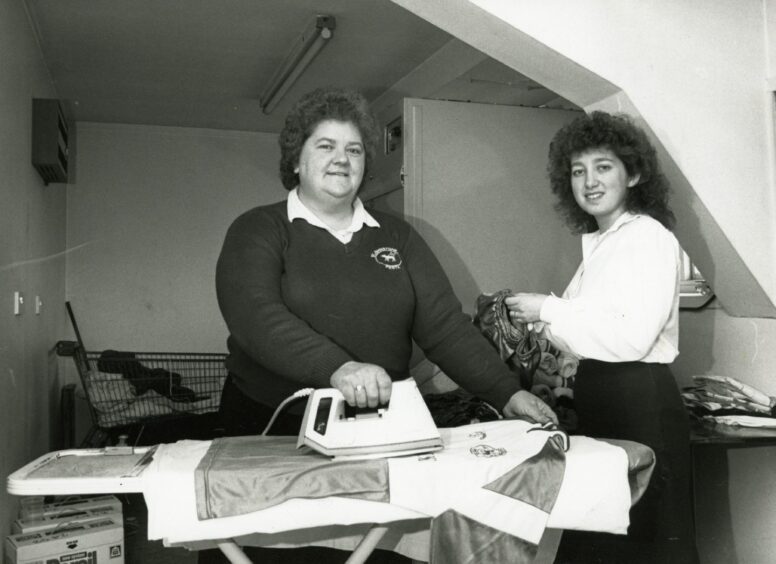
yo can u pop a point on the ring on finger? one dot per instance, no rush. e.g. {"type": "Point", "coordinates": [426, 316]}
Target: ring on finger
{"type": "Point", "coordinates": [359, 388]}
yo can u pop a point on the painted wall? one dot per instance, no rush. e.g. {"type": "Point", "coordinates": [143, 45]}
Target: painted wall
{"type": "Point", "coordinates": [476, 190]}
{"type": "Point", "coordinates": [32, 229]}
{"type": "Point", "coordinates": [146, 221]}
{"type": "Point", "coordinates": [590, 72]}
{"type": "Point", "coordinates": [696, 74]}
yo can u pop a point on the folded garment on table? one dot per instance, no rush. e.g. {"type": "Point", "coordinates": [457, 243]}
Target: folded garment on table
{"type": "Point", "coordinates": [713, 395]}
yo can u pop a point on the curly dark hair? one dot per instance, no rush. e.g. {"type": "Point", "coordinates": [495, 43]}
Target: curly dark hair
{"type": "Point", "coordinates": [617, 133]}
{"type": "Point", "coordinates": [320, 105]}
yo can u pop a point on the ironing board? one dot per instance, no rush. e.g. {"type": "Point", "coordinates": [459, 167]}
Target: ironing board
{"type": "Point", "coordinates": [361, 525]}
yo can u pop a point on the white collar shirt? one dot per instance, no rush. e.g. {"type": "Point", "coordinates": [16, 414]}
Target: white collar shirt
{"type": "Point", "coordinates": [623, 302]}
{"type": "Point", "coordinates": [297, 210]}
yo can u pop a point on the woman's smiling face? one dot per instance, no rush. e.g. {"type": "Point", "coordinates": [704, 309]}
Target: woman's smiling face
{"type": "Point", "coordinates": [331, 164]}
{"type": "Point", "coordinates": [600, 184]}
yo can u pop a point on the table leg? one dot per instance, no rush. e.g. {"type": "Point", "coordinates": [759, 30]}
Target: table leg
{"type": "Point", "coordinates": [367, 544]}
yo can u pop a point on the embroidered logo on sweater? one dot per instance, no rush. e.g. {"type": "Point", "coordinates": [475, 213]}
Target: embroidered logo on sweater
{"type": "Point", "coordinates": [387, 257]}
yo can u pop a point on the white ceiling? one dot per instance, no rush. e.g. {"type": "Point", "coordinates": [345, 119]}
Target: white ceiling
{"type": "Point", "coordinates": [204, 63]}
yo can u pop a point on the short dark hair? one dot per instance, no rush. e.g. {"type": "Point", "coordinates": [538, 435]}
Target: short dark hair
{"type": "Point", "coordinates": [320, 105]}
{"type": "Point", "coordinates": [617, 133]}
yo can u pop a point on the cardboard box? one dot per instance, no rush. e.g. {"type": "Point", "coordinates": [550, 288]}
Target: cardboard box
{"type": "Point", "coordinates": [71, 502]}
{"type": "Point", "coordinates": [65, 517]}
{"type": "Point", "coordinates": [90, 542]}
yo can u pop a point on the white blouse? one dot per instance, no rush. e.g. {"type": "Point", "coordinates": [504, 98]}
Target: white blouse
{"type": "Point", "coordinates": [623, 302]}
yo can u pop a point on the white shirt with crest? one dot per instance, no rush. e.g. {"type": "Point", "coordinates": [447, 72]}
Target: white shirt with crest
{"type": "Point", "coordinates": [361, 217]}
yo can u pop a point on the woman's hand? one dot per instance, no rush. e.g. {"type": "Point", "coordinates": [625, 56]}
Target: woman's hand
{"type": "Point", "coordinates": [524, 307]}
{"type": "Point", "coordinates": [526, 404]}
{"type": "Point", "coordinates": [362, 384]}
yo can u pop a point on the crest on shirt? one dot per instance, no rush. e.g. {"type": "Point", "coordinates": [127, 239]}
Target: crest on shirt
{"type": "Point", "coordinates": [387, 257]}
{"type": "Point", "coordinates": [487, 451]}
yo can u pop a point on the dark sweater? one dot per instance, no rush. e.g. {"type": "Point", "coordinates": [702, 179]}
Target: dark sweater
{"type": "Point", "coordinates": [298, 304]}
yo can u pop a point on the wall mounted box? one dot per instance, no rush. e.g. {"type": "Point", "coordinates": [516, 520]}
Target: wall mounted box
{"type": "Point", "coordinates": [51, 140]}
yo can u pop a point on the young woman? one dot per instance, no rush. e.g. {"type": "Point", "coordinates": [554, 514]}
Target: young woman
{"type": "Point", "coordinates": [619, 315]}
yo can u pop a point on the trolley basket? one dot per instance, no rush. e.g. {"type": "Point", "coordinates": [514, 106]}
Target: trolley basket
{"type": "Point", "coordinates": [125, 389]}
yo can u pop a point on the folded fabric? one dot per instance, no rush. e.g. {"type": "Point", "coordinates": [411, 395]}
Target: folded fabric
{"type": "Point", "coordinates": [458, 407]}
{"type": "Point", "coordinates": [240, 475]}
{"type": "Point", "coordinates": [522, 343]}
{"type": "Point", "coordinates": [736, 388]}
{"type": "Point", "coordinates": [456, 538]}
{"type": "Point", "coordinates": [170, 495]}
{"type": "Point", "coordinates": [744, 421]}
{"type": "Point", "coordinates": [481, 473]}
{"type": "Point", "coordinates": [143, 379]}
{"type": "Point", "coordinates": [116, 403]}
{"type": "Point", "coordinates": [492, 319]}
{"type": "Point", "coordinates": [724, 395]}
{"type": "Point", "coordinates": [594, 493]}
{"type": "Point", "coordinates": [243, 474]}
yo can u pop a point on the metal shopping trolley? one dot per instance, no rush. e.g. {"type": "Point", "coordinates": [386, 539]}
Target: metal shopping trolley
{"type": "Point", "coordinates": [130, 392]}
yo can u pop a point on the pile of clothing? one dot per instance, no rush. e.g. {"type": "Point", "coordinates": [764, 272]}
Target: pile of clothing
{"type": "Point", "coordinates": [458, 407]}
{"type": "Point", "coordinates": [143, 379]}
{"type": "Point", "coordinates": [543, 369]}
{"type": "Point", "coordinates": [726, 400]}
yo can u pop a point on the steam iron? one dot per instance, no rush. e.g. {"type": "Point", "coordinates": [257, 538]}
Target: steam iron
{"type": "Point", "coordinates": [405, 426]}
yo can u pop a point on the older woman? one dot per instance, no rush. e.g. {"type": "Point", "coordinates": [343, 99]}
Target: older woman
{"type": "Point", "coordinates": [620, 315]}
{"type": "Point", "coordinates": [318, 292]}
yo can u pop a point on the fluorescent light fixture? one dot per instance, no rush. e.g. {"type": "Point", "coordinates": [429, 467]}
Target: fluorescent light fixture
{"type": "Point", "coordinates": [306, 47]}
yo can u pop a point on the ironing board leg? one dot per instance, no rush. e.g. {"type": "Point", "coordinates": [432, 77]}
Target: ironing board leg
{"type": "Point", "coordinates": [233, 552]}
{"type": "Point", "coordinates": [367, 545]}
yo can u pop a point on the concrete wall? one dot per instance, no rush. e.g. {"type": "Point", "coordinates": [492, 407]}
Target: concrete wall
{"type": "Point", "coordinates": [32, 261]}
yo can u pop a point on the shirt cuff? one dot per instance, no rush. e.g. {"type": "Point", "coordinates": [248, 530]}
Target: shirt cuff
{"type": "Point", "coordinates": [552, 308]}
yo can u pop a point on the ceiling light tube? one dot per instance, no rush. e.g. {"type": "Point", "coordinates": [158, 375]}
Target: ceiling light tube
{"type": "Point", "coordinates": [306, 47]}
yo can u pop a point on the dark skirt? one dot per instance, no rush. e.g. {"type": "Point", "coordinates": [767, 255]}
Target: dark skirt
{"type": "Point", "coordinates": [639, 402]}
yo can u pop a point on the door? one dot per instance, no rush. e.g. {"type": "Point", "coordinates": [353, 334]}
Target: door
{"type": "Point", "coordinates": [476, 189]}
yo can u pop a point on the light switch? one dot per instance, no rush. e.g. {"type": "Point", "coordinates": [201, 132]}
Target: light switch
{"type": "Point", "coordinates": [38, 305]}
{"type": "Point", "coordinates": [18, 302]}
